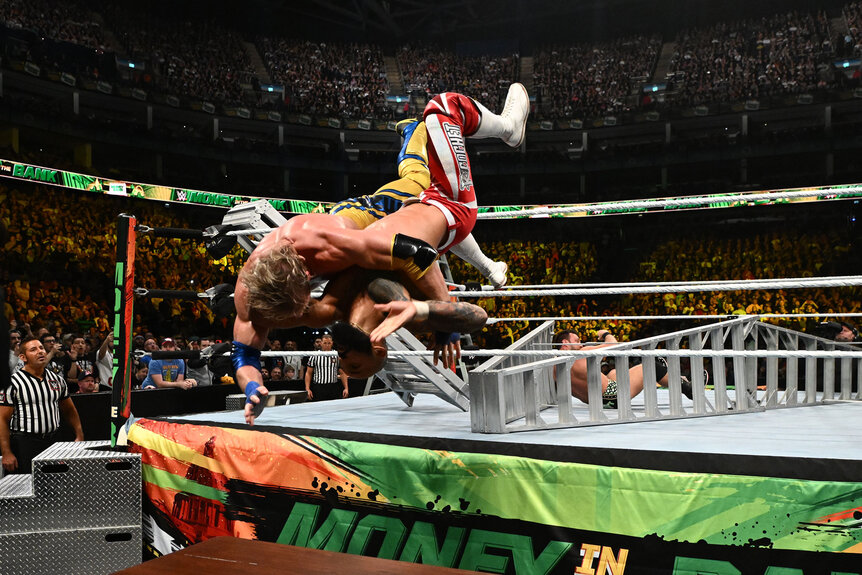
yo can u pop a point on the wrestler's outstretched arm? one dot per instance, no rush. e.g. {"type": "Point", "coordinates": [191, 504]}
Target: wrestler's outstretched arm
{"type": "Point", "coordinates": [436, 315]}
{"type": "Point", "coordinates": [446, 318]}
{"type": "Point", "coordinates": [248, 340]}
{"type": "Point", "coordinates": [449, 320]}
{"type": "Point", "coordinates": [247, 343]}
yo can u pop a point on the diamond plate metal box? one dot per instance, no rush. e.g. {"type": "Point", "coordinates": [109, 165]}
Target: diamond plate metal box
{"type": "Point", "coordinates": [16, 486]}
{"type": "Point", "coordinates": [74, 486]}
{"type": "Point", "coordinates": [71, 552]}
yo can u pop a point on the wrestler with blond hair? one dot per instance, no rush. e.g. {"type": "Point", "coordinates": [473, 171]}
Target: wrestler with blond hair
{"type": "Point", "coordinates": [274, 284]}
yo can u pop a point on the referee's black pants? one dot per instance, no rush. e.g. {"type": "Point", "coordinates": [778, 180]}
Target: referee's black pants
{"type": "Point", "coordinates": [26, 446]}
{"type": "Point", "coordinates": [326, 391]}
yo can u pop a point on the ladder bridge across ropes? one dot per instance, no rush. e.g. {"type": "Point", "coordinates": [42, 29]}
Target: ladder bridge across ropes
{"type": "Point", "coordinates": [752, 366]}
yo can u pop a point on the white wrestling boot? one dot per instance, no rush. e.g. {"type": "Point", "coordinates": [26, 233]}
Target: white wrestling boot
{"type": "Point", "coordinates": [515, 112]}
{"type": "Point", "coordinates": [469, 251]}
{"type": "Point", "coordinates": [510, 125]}
{"type": "Point", "coordinates": [498, 274]}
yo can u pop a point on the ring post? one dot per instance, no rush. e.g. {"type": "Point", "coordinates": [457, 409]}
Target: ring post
{"type": "Point", "coordinates": [124, 283]}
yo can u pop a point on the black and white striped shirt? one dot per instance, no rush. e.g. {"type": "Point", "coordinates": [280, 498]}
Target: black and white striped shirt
{"type": "Point", "coordinates": [325, 368]}
{"type": "Point", "coordinates": [35, 402]}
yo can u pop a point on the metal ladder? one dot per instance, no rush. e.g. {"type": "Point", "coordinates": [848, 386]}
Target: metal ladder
{"type": "Point", "coordinates": [519, 393]}
{"type": "Point", "coordinates": [410, 375]}
{"type": "Point", "coordinates": [253, 216]}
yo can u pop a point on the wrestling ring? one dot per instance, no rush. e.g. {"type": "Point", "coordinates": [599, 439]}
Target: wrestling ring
{"type": "Point", "coordinates": [496, 468]}
{"type": "Point", "coordinates": [506, 441]}
{"type": "Point", "coordinates": [752, 365]}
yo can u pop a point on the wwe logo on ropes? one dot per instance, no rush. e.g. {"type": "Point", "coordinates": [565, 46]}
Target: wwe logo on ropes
{"type": "Point", "coordinates": [181, 195]}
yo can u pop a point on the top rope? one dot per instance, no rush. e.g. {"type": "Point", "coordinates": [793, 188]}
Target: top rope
{"type": "Point", "coordinates": [852, 190]}
{"type": "Point", "coordinates": [741, 285]}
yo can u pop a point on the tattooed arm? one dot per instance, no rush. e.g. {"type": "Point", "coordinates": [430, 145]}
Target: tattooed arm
{"type": "Point", "coordinates": [451, 316]}
{"type": "Point", "coordinates": [446, 318]}
{"type": "Point", "coordinates": [383, 290]}
{"type": "Point", "coordinates": [435, 315]}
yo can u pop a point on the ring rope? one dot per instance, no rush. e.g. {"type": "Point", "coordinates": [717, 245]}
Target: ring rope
{"type": "Point", "coordinates": [602, 352]}
{"type": "Point", "coordinates": [611, 351]}
{"type": "Point", "coordinates": [744, 285]}
{"type": "Point", "coordinates": [492, 320]}
{"type": "Point", "coordinates": [248, 232]}
{"type": "Point", "coordinates": [673, 202]}
{"type": "Point", "coordinates": [308, 353]}
{"type": "Point", "coordinates": [615, 285]}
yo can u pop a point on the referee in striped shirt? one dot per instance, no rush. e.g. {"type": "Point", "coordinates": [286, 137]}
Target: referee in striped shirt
{"type": "Point", "coordinates": [31, 408]}
{"type": "Point", "coordinates": [323, 374]}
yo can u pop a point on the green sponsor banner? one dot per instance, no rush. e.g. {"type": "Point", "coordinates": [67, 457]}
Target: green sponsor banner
{"type": "Point", "coordinates": [728, 200]}
{"type": "Point", "coordinates": [76, 181]}
{"type": "Point", "coordinates": [720, 509]}
{"type": "Point", "coordinates": [485, 511]}
{"type": "Point", "coordinates": [84, 182]}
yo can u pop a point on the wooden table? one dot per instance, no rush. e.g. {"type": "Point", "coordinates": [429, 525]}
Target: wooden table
{"type": "Point", "coordinates": [234, 556]}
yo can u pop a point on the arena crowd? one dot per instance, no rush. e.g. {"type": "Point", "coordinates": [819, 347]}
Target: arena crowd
{"type": "Point", "coordinates": [58, 274]}
{"type": "Point", "coordinates": [785, 54]}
